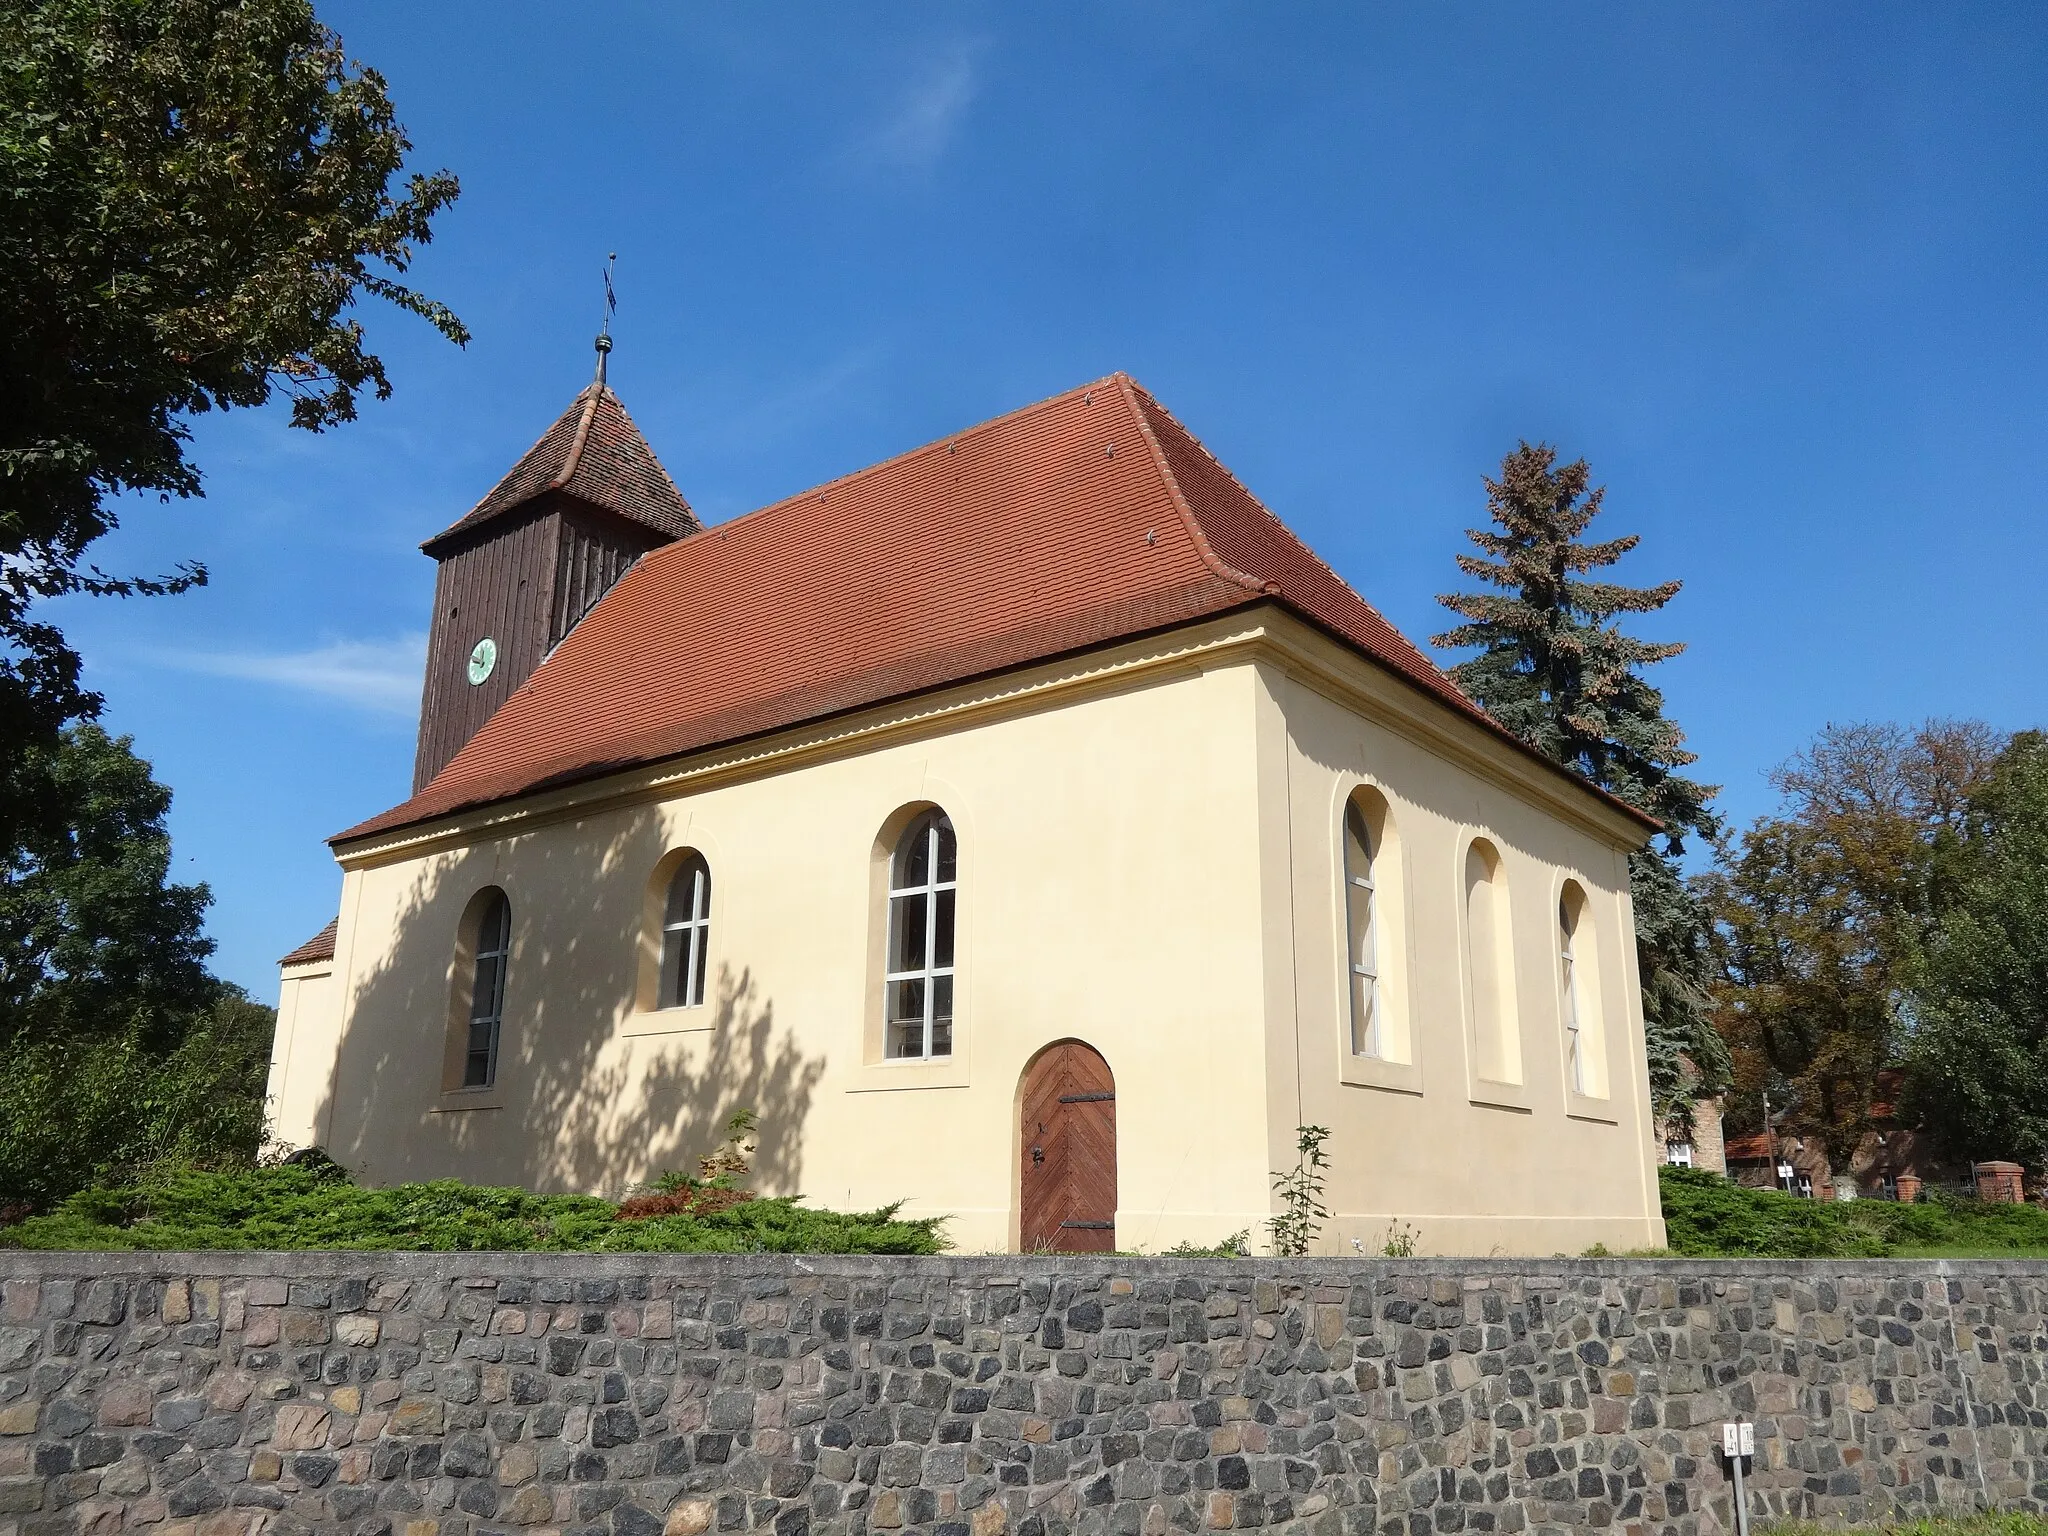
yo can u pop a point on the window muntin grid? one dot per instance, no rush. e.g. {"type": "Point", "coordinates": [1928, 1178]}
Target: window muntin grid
{"type": "Point", "coordinates": [917, 989]}
{"type": "Point", "coordinates": [487, 993]}
{"type": "Point", "coordinates": [1362, 925]}
{"type": "Point", "coordinates": [1574, 1041]}
{"type": "Point", "coordinates": [686, 935]}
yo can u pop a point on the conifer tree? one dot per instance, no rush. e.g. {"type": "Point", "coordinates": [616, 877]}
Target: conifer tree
{"type": "Point", "coordinates": [1555, 667]}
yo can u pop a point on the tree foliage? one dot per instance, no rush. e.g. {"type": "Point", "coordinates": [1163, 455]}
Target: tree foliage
{"type": "Point", "coordinates": [1556, 667]}
{"type": "Point", "coordinates": [94, 935]}
{"type": "Point", "coordinates": [118, 1051]}
{"type": "Point", "coordinates": [1823, 909]}
{"type": "Point", "coordinates": [1977, 1055]}
{"type": "Point", "coordinates": [194, 197]}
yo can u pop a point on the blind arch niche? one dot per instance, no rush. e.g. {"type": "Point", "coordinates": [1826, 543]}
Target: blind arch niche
{"type": "Point", "coordinates": [1490, 1009]}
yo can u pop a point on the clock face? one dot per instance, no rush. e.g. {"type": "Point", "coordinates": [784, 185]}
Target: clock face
{"type": "Point", "coordinates": [482, 660]}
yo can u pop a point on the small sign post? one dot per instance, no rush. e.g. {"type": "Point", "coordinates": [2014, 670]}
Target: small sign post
{"type": "Point", "coordinates": [1738, 1442]}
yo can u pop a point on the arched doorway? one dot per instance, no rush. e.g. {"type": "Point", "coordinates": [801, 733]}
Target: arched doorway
{"type": "Point", "coordinates": [1068, 1120]}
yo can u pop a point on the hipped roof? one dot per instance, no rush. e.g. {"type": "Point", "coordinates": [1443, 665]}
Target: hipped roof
{"type": "Point", "coordinates": [595, 453]}
{"type": "Point", "coordinates": [1087, 518]}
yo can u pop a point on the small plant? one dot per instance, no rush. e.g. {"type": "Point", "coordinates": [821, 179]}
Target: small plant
{"type": "Point", "coordinates": [1302, 1212]}
{"type": "Point", "coordinates": [1235, 1246]}
{"type": "Point", "coordinates": [714, 1187]}
{"type": "Point", "coordinates": [1400, 1241]}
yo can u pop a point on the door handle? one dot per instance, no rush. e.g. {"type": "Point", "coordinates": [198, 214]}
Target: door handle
{"type": "Point", "coordinates": [1037, 1156]}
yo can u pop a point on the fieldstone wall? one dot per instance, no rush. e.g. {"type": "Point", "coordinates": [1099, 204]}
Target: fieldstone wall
{"type": "Point", "coordinates": [445, 1395]}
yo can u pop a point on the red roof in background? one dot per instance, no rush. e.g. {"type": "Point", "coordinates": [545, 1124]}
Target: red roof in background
{"type": "Point", "coordinates": [594, 453]}
{"type": "Point", "coordinates": [318, 947]}
{"type": "Point", "coordinates": [1754, 1148]}
{"type": "Point", "coordinates": [1089, 517]}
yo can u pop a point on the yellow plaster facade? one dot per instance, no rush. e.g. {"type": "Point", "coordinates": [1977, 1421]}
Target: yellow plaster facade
{"type": "Point", "coordinates": [1151, 860]}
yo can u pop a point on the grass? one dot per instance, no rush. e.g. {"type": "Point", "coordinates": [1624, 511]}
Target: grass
{"type": "Point", "coordinates": [1981, 1523]}
{"type": "Point", "coordinates": [320, 1207]}
{"type": "Point", "coordinates": [1707, 1216]}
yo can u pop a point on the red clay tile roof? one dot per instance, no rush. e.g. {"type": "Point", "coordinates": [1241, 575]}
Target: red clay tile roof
{"type": "Point", "coordinates": [594, 453]}
{"type": "Point", "coordinates": [318, 947]}
{"type": "Point", "coordinates": [1087, 518]}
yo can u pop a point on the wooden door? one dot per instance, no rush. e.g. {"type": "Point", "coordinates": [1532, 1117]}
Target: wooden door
{"type": "Point", "coordinates": [1069, 1164]}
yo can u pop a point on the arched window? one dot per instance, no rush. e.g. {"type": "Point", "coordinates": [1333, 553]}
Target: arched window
{"type": "Point", "coordinates": [1361, 906]}
{"type": "Point", "coordinates": [1568, 983]}
{"type": "Point", "coordinates": [1496, 1044]}
{"type": "Point", "coordinates": [686, 935]}
{"type": "Point", "coordinates": [1578, 976]}
{"type": "Point", "coordinates": [493, 941]}
{"type": "Point", "coordinates": [917, 997]}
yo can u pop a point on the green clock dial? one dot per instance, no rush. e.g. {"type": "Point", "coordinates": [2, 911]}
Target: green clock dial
{"type": "Point", "coordinates": [482, 660]}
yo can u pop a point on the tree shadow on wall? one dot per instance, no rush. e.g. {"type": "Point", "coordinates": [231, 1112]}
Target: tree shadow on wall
{"type": "Point", "coordinates": [686, 1097]}
{"type": "Point", "coordinates": [577, 1105]}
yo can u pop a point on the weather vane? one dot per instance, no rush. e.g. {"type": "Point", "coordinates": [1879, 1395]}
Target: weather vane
{"type": "Point", "coordinates": [611, 306]}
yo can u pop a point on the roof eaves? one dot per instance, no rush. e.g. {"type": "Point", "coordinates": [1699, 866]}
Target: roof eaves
{"type": "Point", "coordinates": [319, 947]}
{"type": "Point", "coordinates": [1475, 714]}
{"type": "Point", "coordinates": [470, 518]}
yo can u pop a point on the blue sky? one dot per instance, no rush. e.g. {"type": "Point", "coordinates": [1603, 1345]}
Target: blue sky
{"type": "Point", "coordinates": [1776, 271]}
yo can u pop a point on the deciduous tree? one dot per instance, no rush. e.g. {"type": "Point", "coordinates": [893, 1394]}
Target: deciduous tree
{"type": "Point", "coordinates": [195, 195]}
{"type": "Point", "coordinates": [1822, 911]}
{"type": "Point", "coordinates": [118, 1051]}
{"type": "Point", "coordinates": [1977, 1050]}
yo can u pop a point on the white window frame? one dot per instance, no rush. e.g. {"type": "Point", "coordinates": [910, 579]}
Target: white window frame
{"type": "Point", "coordinates": [690, 934]}
{"type": "Point", "coordinates": [1678, 1154]}
{"type": "Point", "coordinates": [1574, 1040]}
{"type": "Point", "coordinates": [927, 826]}
{"type": "Point", "coordinates": [488, 1014]}
{"type": "Point", "coordinates": [1362, 986]}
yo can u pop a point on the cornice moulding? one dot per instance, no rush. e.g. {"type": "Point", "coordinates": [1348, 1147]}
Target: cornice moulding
{"type": "Point", "coordinates": [1264, 633]}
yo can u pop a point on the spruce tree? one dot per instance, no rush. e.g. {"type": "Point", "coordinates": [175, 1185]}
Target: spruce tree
{"type": "Point", "coordinates": [1555, 667]}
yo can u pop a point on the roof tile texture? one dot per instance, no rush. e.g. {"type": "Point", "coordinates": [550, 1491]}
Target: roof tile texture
{"type": "Point", "coordinates": [1086, 518]}
{"type": "Point", "coordinates": [595, 453]}
{"type": "Point", "coordinates": [318, 947]}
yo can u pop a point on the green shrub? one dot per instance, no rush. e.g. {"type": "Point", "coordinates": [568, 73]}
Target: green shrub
{"type": "Point", "coordinates": [315, 1205]}
{"type": "Point", "coordinates": [1707, 1216]}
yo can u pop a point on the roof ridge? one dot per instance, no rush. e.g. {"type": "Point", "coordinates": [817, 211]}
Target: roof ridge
{"type": "Point", "coordinates": [653, 458]}
{"type": "Point", "coordinates": [894, 459]}
{"type": "Point", "coordinates": [592, 395]}
{"type": "Point", "coordinates": [1279, 522]}
{"type": "Point", "coordinates": [1131, 390]}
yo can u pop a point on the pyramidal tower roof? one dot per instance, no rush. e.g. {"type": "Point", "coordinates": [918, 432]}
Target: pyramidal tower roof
{"type": "Point", "coordinates": [596, 454]}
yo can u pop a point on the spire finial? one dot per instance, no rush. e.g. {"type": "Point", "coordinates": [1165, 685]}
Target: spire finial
{"type": "Point", "coordinates": [611, 304]}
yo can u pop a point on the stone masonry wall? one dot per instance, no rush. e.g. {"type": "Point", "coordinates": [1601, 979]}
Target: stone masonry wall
{"type": "Point", "coordinates": [453, 1395]}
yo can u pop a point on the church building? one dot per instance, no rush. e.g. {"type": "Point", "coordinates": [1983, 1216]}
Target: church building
{"type": "Point", "coordinates": [1030, 829]}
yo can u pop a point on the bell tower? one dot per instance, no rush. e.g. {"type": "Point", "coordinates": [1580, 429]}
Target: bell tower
{"type": "Point", "coordinates": [533, 557]}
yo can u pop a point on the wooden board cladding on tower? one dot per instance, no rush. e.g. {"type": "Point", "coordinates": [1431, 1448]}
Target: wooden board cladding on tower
{"type": "Point", "coordinates": [523, 582]}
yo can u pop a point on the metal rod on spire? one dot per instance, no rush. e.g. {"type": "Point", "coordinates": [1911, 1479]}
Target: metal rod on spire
{"type": "Point", "coordinates": [611, 305]}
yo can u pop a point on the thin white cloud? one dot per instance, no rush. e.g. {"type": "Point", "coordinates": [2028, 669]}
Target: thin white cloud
{"type": "Point", "coordinates": [380, 676]}
{"type": "Point", "coordinates": [926, 116]}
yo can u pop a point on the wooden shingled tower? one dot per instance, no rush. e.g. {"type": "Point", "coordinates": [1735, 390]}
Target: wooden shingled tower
{"type": "Point", "coordinates": [532, 558]}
